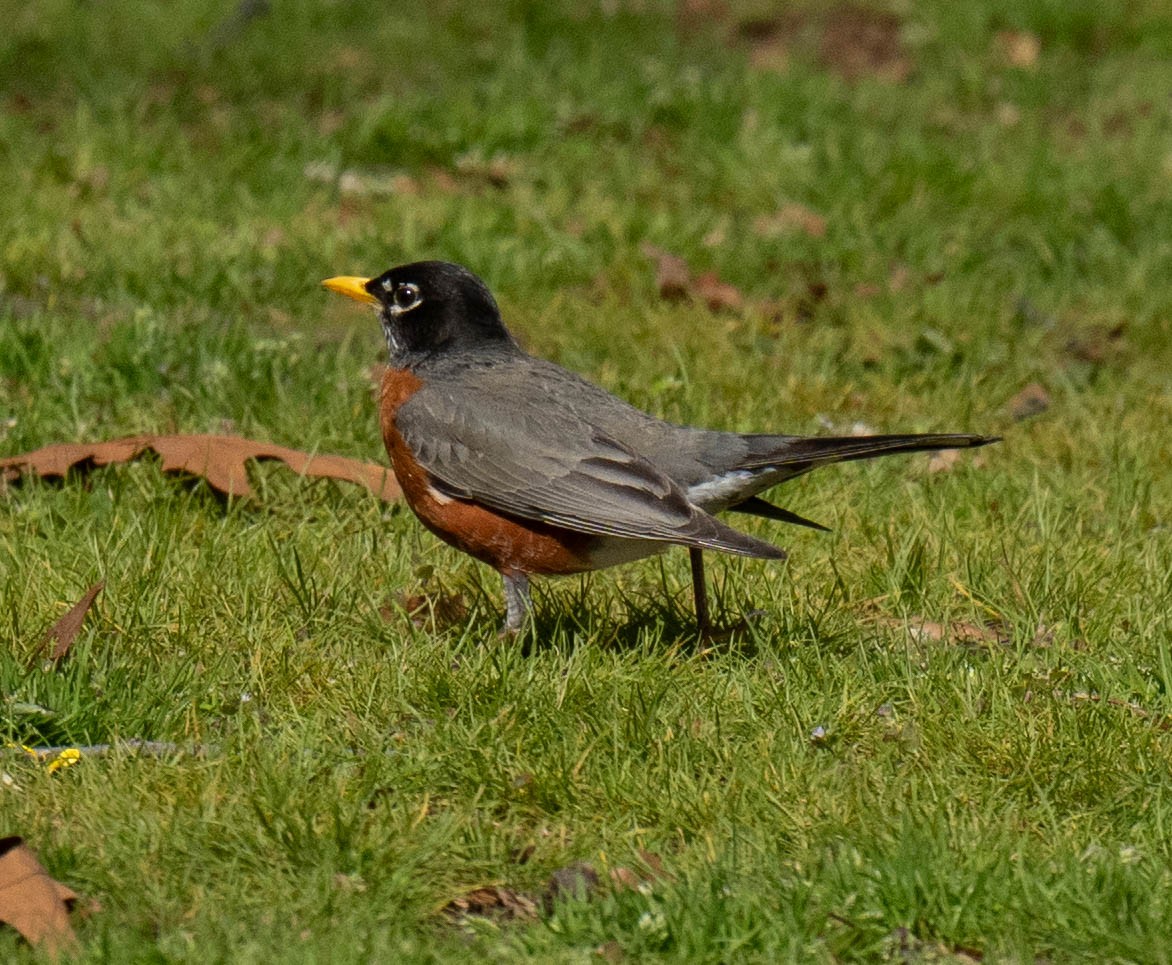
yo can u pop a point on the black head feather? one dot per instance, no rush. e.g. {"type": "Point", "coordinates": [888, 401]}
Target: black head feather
{"type": "Point", "coordinates": [432, 306]}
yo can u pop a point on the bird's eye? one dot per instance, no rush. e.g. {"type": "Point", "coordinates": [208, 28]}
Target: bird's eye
{"type": "Point", "coordinates": [406, 296]}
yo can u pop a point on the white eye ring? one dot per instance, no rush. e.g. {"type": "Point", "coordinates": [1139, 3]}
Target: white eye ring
{"type": "Point", "coordinates": [406, 296]}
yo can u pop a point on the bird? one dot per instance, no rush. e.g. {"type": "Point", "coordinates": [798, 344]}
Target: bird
{"type": "Point", "coordinates": [536, 471]}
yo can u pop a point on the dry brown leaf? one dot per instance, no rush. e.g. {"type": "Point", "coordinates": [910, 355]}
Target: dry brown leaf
{"type": "Point", "coordinates": [1097, 344]}
{"type": "Point", "coordinates": [446, 609]}
{"type": "Point", "coordinates": [674, 281]}
{"type": "Point", "coordinates": [502, 904]}
{"type": "Point", "coordinates": [441, 180]}
{"type": "Point", "coordinates": [31, 901]}
{"type": "Point", "coordinates": [577, 880]}
{"type": "Point", "coordinates": [772, 39]}
{"type": "Point", "coordinates": [769, 49]}
{"type": "Point", "coordinates": [1020, 49]}
{"type": "Point", "coordinates": [933, 631]}
{"type": "Point", "coordinates": [220, 460]}
{"type": "Point", "coordinates": [791, 218]}
{"type": "Point", "coordinates": [861, 42]}
{"type": "Point", "coordinates": [1031, 401]}
{"type": "Point", "coordinates": [698, 16]}
{"type": "Point", "coordinates": [654, 866]}
{"type": "Point", "coordinates": [626, 879]}
{"type": "Point", "coordinates": [716, 294]}
{"type": "Point", "coordinates": [673, 278]}
{"type": "Point", "coordinates": [65, 631]}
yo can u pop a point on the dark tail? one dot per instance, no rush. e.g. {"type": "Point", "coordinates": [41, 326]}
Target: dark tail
{"type": "Point", "coordinates": [800, 454]}
{"type": "Point", "coordinates": [784, 457]}
{"type": "Point", "coordinates": [756, 506]}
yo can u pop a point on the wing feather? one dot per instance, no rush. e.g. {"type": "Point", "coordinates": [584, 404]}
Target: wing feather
{"type": "Point", "coordinates": [532, 462]}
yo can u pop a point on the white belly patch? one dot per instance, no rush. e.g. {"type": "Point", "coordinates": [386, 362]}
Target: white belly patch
{"type": "Point", "coordinates": [721, 491]}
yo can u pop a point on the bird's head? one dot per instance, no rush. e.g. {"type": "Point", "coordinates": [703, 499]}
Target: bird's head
{"type": "Point", "coordinates": [429, 306]}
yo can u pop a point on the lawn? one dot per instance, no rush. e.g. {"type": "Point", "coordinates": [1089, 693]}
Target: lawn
{"type": "Point", "coordinates": [947, 735]}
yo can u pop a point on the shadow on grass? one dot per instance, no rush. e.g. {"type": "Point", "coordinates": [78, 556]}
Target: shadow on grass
{"type": "Point", "coordinates": [639, 623]}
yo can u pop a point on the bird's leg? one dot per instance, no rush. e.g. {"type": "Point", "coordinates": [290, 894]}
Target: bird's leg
{"type": "Point", "coordinates": [518, 604]}
{"type": "Point", "coordinates": [699, 590]}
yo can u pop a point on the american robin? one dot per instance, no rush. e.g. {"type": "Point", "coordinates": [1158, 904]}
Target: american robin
{"type": "Point", "coordinates": [535, 471]}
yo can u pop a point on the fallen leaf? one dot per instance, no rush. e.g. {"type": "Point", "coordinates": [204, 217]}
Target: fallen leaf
{"type": "Point", "coordinates": [522, 855]}
{"type": "Point", "coordinates": [1020, 49]}
{"type": "Point", "coordinates": [219, 460]}
{"type": "Point", "coordinates": [932, 631]}
{"type": "Point", "coordinates": [860, 42]}
{"type": "Point", "coordinates": [654, 865]}
{"type": "Point", "coordinates": [627, 879]}
{"type": "Point", "coordinates": [65, 631]}
{"type": "Point", "coordinates": [441, 180]}
{"type": "Point", "coordinates": [772, 39]}
{"type": "Point", "coordinates": [1098, 344]}
{"type": "Point", "coordinates": [1031, 401]}
{"type": "Point", "coordinates": [769, 50]}
{"type": "Point", "coordinates": [578, 880]}
{"type": "Point", "coordinates": [31, 901]}
{"type": "Point", "coordinates": [624, 879]}
{"type": "Point", "coordinates": [673, 278]}
{"type": "Point", "coordinates": [696, 16]}
{"type": "Point", "coordinates": [716, 294]}
{"type": "Point", "coordinates": [503, 904]}
{"type": "Point", "coordinates": [674, 281]}
{"type": "Point", "coordinates": [791, 218]}
{"type": "Point", "coordinates": [442, 608]}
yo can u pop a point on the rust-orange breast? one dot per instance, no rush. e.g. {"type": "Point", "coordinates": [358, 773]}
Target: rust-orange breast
{"type": "Point", "coordinates": [510, 545]}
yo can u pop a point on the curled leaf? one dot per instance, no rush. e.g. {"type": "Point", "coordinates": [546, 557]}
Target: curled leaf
{"type": "Point", "coordinates": [31, 901]}
{"type": "Point", "coordinates": [62, 633]}
{"type": "Point", "coordinates": [219, 460]}
{"type": "Point", "coordinates": [502, 904]}
{"type": "Point", "coordinates": [1031, 401]}
{"type": "Point", "coordinates": [675, 282]}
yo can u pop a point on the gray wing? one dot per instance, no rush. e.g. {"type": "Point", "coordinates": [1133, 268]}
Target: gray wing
{"type": "Point", "coordinates": [512, 454]}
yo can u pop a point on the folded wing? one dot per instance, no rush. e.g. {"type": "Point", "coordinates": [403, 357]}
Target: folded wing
{"type": "Point", "coordinates": [518, 458]}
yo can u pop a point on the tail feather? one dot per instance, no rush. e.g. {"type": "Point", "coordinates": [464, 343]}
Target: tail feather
{"type": "Point", "coordinates": [801, 454]}
{"type": "Point", "coordinates": [756, 506]}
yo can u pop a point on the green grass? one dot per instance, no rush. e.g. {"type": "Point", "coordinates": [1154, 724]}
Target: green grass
{"type": "Point", "coordinates": [172, 188]}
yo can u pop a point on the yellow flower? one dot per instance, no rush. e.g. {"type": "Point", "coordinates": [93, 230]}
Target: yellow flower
{"type": "Point", "coordinates": [67, 758]}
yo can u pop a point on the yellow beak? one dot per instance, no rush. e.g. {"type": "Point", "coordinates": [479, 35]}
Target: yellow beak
{"type": "Point", "coordinates": [351, 287]}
